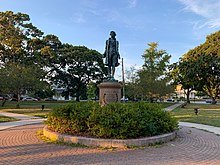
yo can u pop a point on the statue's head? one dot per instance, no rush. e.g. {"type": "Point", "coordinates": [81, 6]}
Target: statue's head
{"type": "Point", "coordinates": [112, 33]}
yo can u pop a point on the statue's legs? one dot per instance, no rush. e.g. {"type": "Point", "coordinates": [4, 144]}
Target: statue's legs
{"type": "Point", "coordinates": [109, 71]}
{"type": "Point", "coordinates": [113, 71]}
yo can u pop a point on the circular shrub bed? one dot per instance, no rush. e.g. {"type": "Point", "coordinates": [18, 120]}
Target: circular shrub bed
{"type": "Point", "coordinates": [116, 121]}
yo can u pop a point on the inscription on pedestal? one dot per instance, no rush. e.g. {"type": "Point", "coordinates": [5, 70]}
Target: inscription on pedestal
{"type": "Point", "coordinates": [109, 92]}
{"type": "Point", "coordinates": [110, 98]}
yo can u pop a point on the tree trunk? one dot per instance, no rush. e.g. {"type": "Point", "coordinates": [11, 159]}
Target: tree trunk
{"type": "Point", "coordinates": [213, 100]}
{"type": "Point", "coordinates": [77, 98]}
{"type": "Point", "coordinates": [18, 101]}
{"type": "Point", "coordinates": [3, 102]}
{"type": "Point", "coordinates": [187, 96]}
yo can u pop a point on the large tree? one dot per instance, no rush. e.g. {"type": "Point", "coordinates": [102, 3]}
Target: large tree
{"type": "Point", "coordinates": [206, 61]}
{"type": "Point", "coordinates": [22, 42]}
{"type": "Point", "coordinates": [183, 73]}
{"type": "Point", "coordinates": [19, 79]}
{"type": "Point", "coordinates": [153, 80]}
{"type": "Point", "coordinates": [16, 32]}
{"type": "Point", "coordinates": [132, 90]}
{"type": "Point", "coordinates": [78, 66]}
{"type": "Point", "coordinates": [208, 75]}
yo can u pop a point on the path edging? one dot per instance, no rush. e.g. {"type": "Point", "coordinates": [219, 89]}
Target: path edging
{"type": "Point", "coordinates": [96, 142]}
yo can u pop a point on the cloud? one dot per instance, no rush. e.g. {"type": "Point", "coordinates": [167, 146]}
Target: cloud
{"type": "Point", "coordinates": [208, 9]}
{"type": "Point", "coordinates": [132, 3]}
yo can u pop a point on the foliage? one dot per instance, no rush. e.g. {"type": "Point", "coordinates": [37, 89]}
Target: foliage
{"type": "Point", "coordinates": [184, 73]}
{"type": "Point", "coordinates": [16, 32]}
{"type": "Point", "coordinates": [77, 66]}
{"type": "Point", "coordinates": [71, 118]}
{"type": "Point", "coordinates": [25, 54]}
{"type": "Point", "coordinates": [18, 79]}
{"type": "Point", "coordinates": [71, 67]}
{"type": "Point", "coordinates": [205, 70]}
{"type": "Point", "coordinates": [120, 121]}
{"type": "Point", "coordinates": [91, 90]}
{"type": "Point", "coordinates": [131, 87]}
{"type": "Point", "coordinates": [208, 75]}
{"type": "Point", "coordinates": [152, 78]}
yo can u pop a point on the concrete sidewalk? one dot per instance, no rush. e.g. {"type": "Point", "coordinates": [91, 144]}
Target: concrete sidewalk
{"type": "Point", "coordinates": [170, 108]}
{"type": "Point", "coordinates": [208, 128]}
{"type": "Point", "coordinates": [18, 116]}
{"type": "Point", "coordinates": [23, 120]}
{"type": "Point", "coordinates": [7, 125]}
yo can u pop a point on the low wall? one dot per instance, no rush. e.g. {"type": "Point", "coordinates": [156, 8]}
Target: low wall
{"type": "Point", "coordinates": [109, 142]}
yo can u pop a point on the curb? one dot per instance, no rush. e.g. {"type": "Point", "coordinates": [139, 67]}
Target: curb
{"type": "Point", "coordinates": [108, 143]}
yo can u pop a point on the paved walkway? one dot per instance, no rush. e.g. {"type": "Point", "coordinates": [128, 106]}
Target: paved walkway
{"type": "Point", "coordinates": [23, 120]}
{"type": "Point", "coordinates": [170, 108]}
{"type": "Point", "coordinates": [21, 146]}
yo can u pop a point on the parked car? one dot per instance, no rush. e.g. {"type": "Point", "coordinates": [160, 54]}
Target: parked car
{"type": "Point", "coordinates": [124, 99]}
{"type": "Point", "coordinates": [4, 97]}
{"type": "Point", "coordinates": [210, 101]}
{"type": "Point", "coordinates": [170, 100]}
{"type": "Point", "coordinates": [29, 99]}
{"type": "Point", "coordinates": [50, 99]}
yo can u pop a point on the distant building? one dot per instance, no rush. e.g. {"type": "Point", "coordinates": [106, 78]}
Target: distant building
{"type": "Point", "coordinates": [58, 94]}
{"type": "Point", "coordinates": [181, 94]}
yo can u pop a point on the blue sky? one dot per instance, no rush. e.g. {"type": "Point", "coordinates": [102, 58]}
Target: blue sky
{"type": "Point", "coordinates": [177, 25]}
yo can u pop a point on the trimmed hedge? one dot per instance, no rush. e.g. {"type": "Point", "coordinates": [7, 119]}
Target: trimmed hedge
{"type": "Point", "coordinates": [118, 121]}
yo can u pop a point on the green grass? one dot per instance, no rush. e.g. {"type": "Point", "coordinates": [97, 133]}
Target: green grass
{"type": "Point", "coordinates": [208, 114]}
{"type": "Point", "coordinates": [32, 108]}
{"type": "Point", "coordinates": [33, 104]}
{"type": "Point", "coordinates": [6, 119]}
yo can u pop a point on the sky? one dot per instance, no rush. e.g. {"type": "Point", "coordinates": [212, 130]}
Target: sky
{"type": "Point", "coordinates": [176, 25]}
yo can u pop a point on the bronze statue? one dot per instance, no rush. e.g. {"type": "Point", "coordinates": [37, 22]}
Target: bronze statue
{"type": "Point", "coordinates": [111, 55]}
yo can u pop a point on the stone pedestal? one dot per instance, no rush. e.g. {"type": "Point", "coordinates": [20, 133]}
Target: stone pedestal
{"type": "Point", "coordinates": [109, 92]}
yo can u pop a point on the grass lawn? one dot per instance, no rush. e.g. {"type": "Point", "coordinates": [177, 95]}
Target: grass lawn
{"type": "Point", "coordinates": [32, 108]}
{"type": "Point", "coordinates": [6, 119]}
{"type": "Point", "coordinates": [208, 114]}
{"type": "Point", "coordinates": [33, 104]}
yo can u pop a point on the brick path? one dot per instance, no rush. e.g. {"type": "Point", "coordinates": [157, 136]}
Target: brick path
{"type": "Point", "coordinates": [20, 146]}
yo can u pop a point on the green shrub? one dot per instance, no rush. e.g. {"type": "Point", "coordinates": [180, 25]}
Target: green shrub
{"type": "Point", "coordinates": [71, 118]}
{"type": "Point", "coordinates": [120, 121]}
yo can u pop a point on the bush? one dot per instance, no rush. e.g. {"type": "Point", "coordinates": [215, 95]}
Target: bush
{"type": "Point", "coordinates": [120, 121]}
{"type": "Point", "coordinates": [71, 118]}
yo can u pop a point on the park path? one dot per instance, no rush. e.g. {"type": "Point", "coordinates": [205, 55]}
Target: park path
{"type": "Point", "coordinates": [23, 120]}
{"type": "Point", "coordinates": [21, 146]}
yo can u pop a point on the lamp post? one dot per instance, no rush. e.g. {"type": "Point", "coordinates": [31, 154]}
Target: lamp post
{"type": "Point", "coordinates": [123, 79]}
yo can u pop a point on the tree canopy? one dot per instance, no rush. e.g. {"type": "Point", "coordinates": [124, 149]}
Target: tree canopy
{"type": "Point", "coordinates": [152, 80]}
{"type": "Point", "coordinates": [77, 66]}
{"type": "Point", "coordinates": [23, 45]}
{"type": "Point", "coordinates": [204, 70]}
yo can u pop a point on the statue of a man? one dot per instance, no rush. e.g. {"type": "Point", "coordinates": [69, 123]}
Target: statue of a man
{"type": "Point", "coordinates": [111, 54]}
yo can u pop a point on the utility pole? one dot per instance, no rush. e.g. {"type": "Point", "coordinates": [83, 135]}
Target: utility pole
{"type": "Point", "coordinates": [123, 79]}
